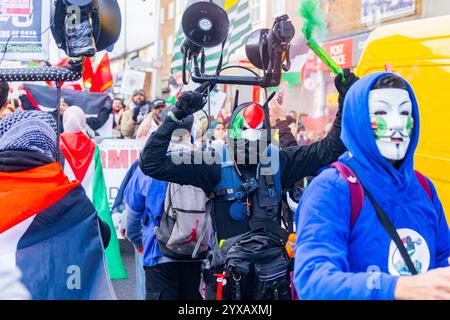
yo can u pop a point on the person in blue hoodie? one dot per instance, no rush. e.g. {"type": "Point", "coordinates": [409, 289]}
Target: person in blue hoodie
{"type": "Point", "coordinates": [337, 260]}
{"type": "Point", "coordinates": [165, 278]}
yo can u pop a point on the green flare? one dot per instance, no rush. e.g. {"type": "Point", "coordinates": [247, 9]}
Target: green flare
{"type": "Point", "coordinates": [312, 19]}
{"type": "Point", "coordinates": [312, 44]}
{"type": "Point", "coordinates": [312, 22]}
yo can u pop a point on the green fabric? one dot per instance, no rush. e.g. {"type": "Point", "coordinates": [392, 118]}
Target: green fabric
{"type": "Point", "coordinates": [292, 78]}
{"type": "Point", "coordinates": [237, 124]}
{"type": "Point", "coordinates": [116, 267]}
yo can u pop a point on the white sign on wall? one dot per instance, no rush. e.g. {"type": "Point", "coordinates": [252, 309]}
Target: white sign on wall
{"type": "Point", "coordinates": [375, 11]}
{"type": "Point", "coordinates": [132, 80]}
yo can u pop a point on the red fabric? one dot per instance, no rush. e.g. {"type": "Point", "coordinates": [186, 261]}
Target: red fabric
{"type": "Point", "coordinates": [103, 75]}
{"type": "Point", "coordinates": [24, 194]}
{"type": "Point", "coordinates": [254, 115]}
{"type": "Point", "coordinates": [78, 150]}
{"type": "Point", "coordinates": [30, 98]}
{"type": "Point", "coordinates": [89, 81]}
{"type": "Point", "coordinates": [314, 124]}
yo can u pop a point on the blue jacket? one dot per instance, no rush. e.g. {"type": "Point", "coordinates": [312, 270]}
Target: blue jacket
{"type": "Point", "coordinates": [144, 198]}
{"type": "Point", "coordinates": [334, 262]}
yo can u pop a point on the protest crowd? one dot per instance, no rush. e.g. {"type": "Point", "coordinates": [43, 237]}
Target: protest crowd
{"type": "Point", "coordinates": [253, 202]}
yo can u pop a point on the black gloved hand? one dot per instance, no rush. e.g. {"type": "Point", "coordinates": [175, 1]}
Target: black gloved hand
{"type": "Point", "coordinates": [343, 87]}
{"type": "Point", "coordinates": [191, 101]}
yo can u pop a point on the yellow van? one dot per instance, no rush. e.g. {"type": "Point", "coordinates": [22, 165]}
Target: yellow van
{"type": "Point", "coordinates": [419, 50]}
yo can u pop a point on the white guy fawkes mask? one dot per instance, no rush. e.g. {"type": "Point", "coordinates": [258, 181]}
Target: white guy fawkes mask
{"type": "Point", "coordinates": [391, 117]}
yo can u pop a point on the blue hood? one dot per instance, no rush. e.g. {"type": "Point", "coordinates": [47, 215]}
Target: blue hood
{"type": "Point", "coordinates": [374, 171]}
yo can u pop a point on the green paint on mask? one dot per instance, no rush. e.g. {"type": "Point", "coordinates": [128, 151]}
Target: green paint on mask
{"type": "Point", "coordinates": [237, 124]}
{"type": "Point", "coordinates": [410, 125]}
{"type": "Point", "coordinates": [379, 126]}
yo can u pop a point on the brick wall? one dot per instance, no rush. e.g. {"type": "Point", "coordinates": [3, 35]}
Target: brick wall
{"type": "Point", "coordinates": [166, 29]}
{"type": "Point", "coordinates": [344, 17]}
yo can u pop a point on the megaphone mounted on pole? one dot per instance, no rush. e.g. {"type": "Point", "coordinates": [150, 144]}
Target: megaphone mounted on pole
{"type": "Point", "coordinates": [98, 29]}
{"type": "Point", "coordinates": [206, 25]}
{"type": "Point", "coordinates": [80, 28]}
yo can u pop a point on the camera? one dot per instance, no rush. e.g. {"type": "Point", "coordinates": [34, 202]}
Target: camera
{"type": "Point", "coordinates": [206, 25]}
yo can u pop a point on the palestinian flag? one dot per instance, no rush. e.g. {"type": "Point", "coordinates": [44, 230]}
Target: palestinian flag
{"type": "Point", "coordinates": [50, 231]}
{"type": "Point", "coordinates": [83, 163]}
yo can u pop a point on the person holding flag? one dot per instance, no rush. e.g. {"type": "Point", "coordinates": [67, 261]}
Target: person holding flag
{"type": "Point", "coordinates": [82, 163]}
{"type": "Point", "coordinates": [48, 227]}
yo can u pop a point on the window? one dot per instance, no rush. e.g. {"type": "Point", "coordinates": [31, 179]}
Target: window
{"type": "Point", "coordinates": [170, 44]}
{"type": "Point", "coordinates": [277, 8]}
{"type": "Point", "coordinates": [161, 15]}
{"type": "Point", "coordinates": [171, 13]}
{"type": "Point", "coordinates": [255, 10]}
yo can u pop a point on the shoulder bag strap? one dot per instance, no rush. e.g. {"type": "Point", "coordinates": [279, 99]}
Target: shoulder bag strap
{"type": "Point", "coordinates": [388, 226]}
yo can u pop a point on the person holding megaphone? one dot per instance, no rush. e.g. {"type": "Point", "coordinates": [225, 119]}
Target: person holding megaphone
{"type": "Point", "coordinates": [245, 179]}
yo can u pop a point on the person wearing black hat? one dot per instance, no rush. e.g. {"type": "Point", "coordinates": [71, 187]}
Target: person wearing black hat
{"type": "Point", "coordinates": [140, 106]}
{"type": "Point", "coordinates": [152, 120]}
{"type": "Point", "coordinates": [136, 111]}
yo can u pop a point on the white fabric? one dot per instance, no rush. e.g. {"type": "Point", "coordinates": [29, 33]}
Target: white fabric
{"type": "Point", "coordinates": [10, 286]}
{"type": "Point", "coordinates": [74, 120]}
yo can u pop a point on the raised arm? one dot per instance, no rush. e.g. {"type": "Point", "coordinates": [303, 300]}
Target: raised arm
{"type": "Point", "coordinates": [302, 161]}
{"type": "Point", "coordinates": [194, 171]}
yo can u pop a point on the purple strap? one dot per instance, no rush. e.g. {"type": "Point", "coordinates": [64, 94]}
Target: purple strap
{"type": "Point", "coordinates": [356, 190]}
{"type": "Point", "coordinates": [424, 183]}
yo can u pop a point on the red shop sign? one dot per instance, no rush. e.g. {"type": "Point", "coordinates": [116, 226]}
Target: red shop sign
{"type": "Point", "coordinates": [341, 51]}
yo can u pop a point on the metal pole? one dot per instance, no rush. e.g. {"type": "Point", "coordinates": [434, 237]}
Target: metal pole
{"type": "Point", "coordinates": [125, 36]}
{"type": "Point", "coordinates": [58, 120]}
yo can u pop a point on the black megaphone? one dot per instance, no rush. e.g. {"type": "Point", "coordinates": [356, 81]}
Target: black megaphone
{"type": "Point", "coordinates": [257, 49]}
{"type": "Point", "coordinates": [205, 25]}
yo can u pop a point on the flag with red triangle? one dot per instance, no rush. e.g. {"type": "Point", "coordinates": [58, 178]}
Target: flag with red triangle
{"type": "Point", "coordinates": [83, 163]}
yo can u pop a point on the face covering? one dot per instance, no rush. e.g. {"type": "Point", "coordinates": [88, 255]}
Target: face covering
{"type": "Point", "coordinates": [247, 132]}
{"type": "Point", "coordinates": [391, 117]}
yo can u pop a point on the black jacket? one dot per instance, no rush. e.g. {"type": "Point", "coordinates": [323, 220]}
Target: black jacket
{"type": "Point", "coordinates": [296, 162]}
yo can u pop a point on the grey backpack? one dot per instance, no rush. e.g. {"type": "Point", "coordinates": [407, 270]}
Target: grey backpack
{"type": "Point", "coordinates": [183, 233]}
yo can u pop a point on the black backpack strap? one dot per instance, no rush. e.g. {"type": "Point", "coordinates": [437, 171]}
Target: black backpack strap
{"type": "Point", "coordinates": [389, 227]}
{"type": "Point", "coordinates": [287, 215]}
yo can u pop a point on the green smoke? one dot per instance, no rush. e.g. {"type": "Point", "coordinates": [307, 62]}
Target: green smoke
{"type": "Point", "coordinates": [313, 20]}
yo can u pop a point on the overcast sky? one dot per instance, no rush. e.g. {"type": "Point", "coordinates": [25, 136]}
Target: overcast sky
{"type": "Point", "coordinates": [139, 29]}
{"type": "Point", "coordinates": [139, 25]}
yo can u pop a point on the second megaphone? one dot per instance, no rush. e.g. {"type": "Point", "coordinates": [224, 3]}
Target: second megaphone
{"type": "Point", "coordinates": [205, 25]}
